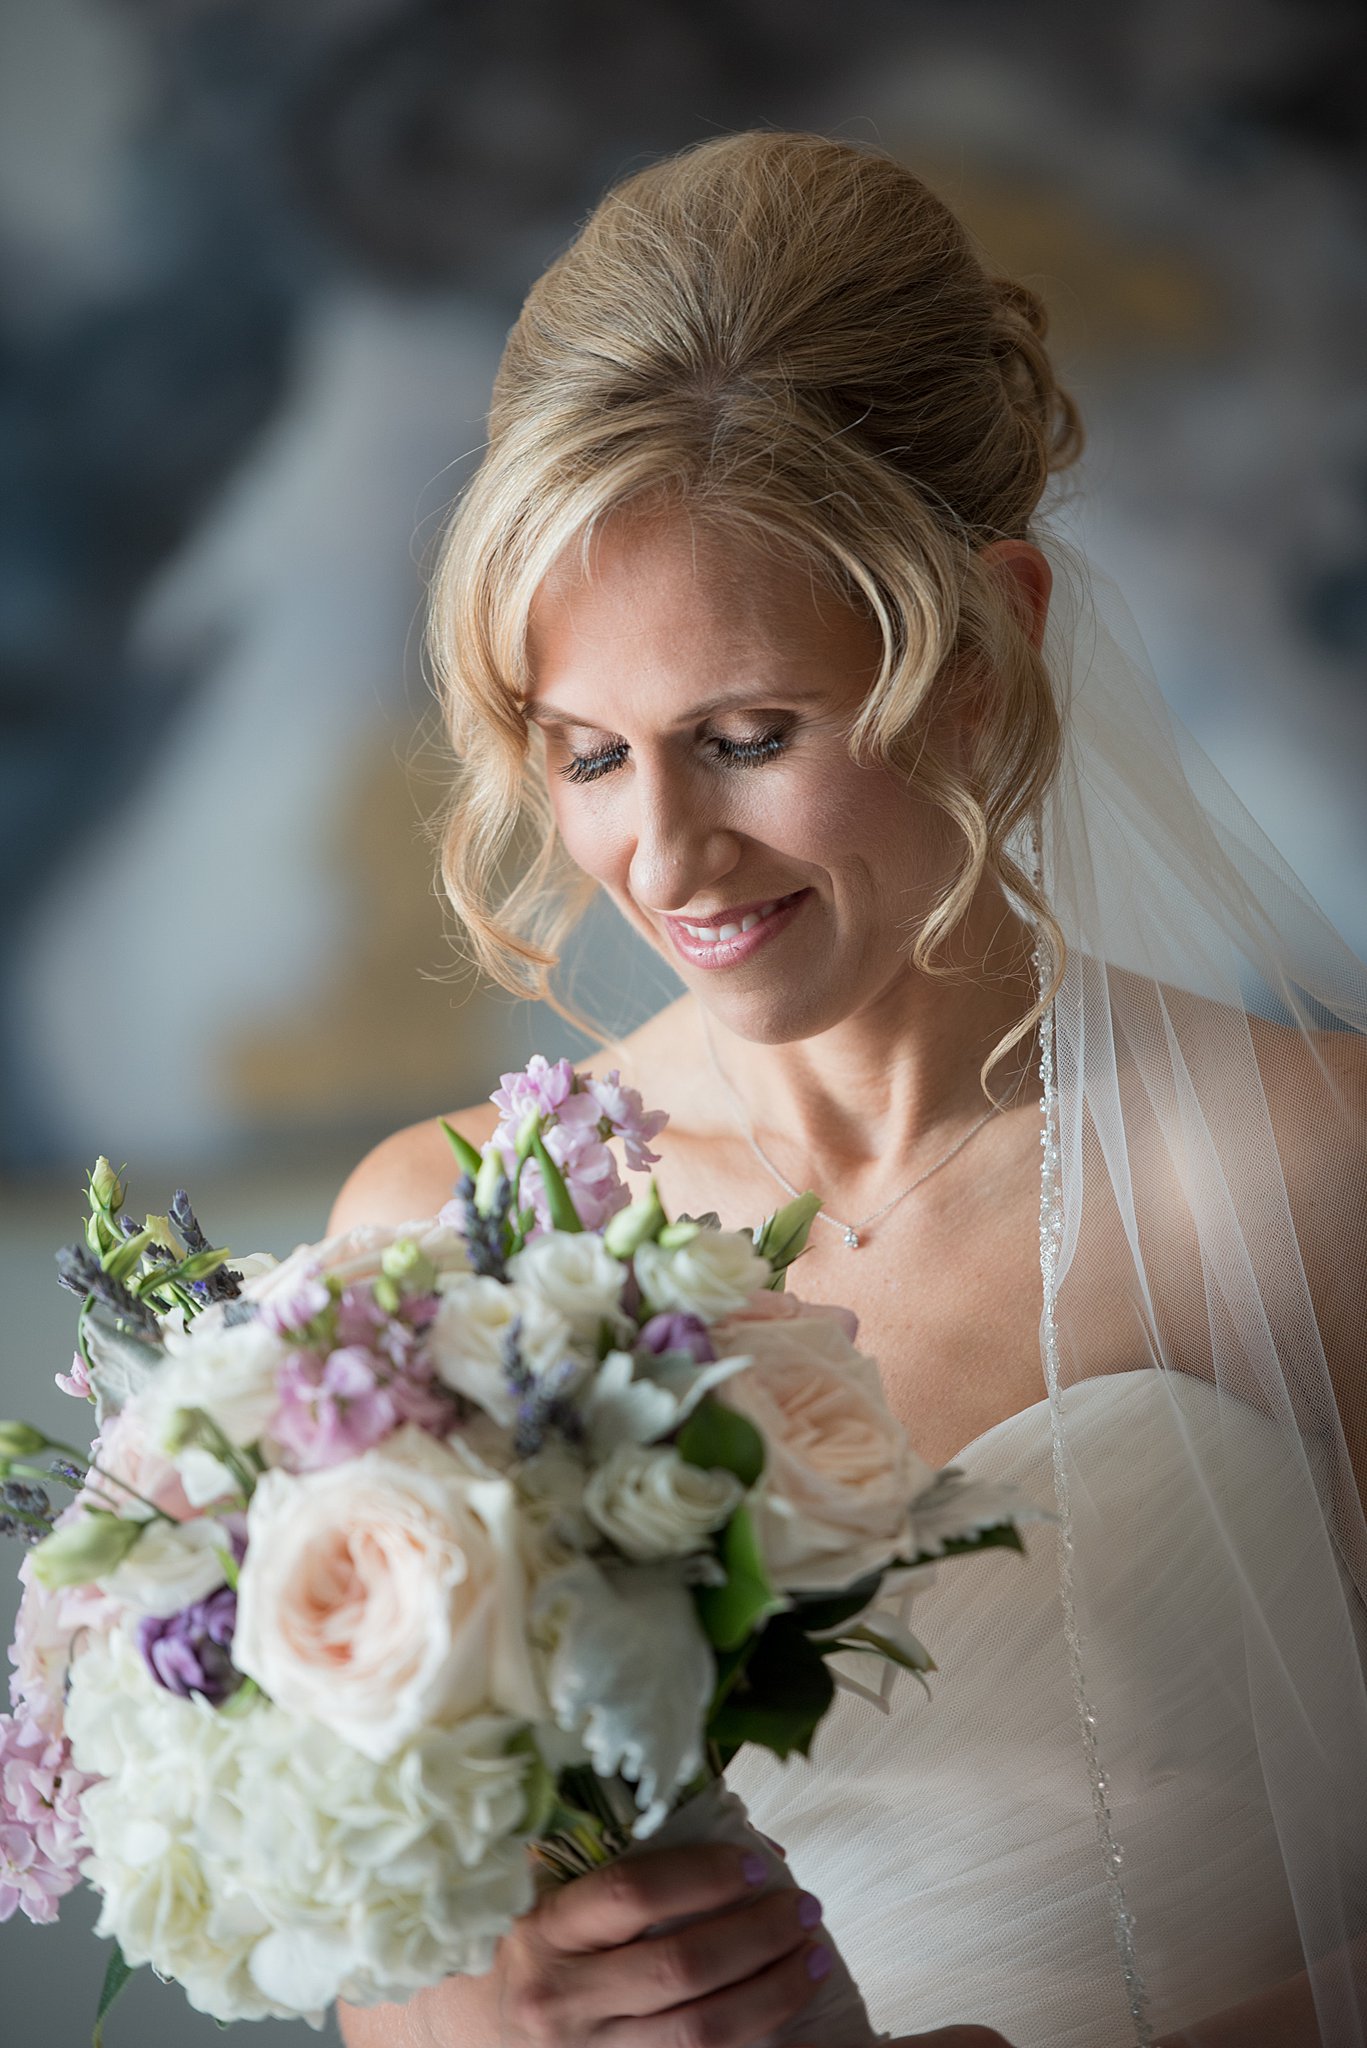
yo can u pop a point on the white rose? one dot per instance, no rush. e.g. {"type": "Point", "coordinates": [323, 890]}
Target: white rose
{"type": "Point", "coordinates": [575, 1273]}
{"type": "Point", "coordinates": [385, 1594]}
{"type": "Point", "coordinates": [651, 1503]}
{"type": "Point", "coordinates": [833, 1502]}
{"type": "Point", "coordinates": [469, 1336]}
{"type": "Point", "coordinates": [171, 1564]}
{"type": "Point", "coordinates": [712, 1275]}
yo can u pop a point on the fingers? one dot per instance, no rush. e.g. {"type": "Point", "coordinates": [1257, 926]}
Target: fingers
{"type": "Point", "coordinates": [620, 1902]}
{"type": "Point", "coordinates": [718, 1950]}
{"type": "Point", "coordinates": [732, 2018]}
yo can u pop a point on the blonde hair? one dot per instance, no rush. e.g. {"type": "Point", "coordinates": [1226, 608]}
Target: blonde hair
{"type": "Point", "coordinates": [794, 339]}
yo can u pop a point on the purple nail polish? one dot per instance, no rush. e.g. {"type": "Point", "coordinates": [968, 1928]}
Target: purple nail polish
{"type": "Point", "coordinates": [808, 1909]}
{"type": "Point", "coordinates": [754, 1869]}
{"type": "Point", "coordinates": [819, 1963]}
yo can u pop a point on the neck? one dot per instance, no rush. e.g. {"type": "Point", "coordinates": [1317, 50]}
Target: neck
{"type": "Point", "coordinates": [863, 1101]}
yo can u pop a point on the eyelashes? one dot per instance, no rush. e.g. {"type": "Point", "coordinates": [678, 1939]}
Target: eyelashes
{"type": "Point", "coordinates": [730, 753]}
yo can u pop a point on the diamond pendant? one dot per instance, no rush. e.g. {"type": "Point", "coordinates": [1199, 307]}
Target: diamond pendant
{"type": "Point", "coordinates": [851, 1237]}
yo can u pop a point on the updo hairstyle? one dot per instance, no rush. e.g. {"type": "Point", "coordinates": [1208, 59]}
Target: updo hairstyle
{"type": "Point", "coordinates": [793, 339]}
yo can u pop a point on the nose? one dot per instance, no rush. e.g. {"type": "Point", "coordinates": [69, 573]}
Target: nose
{"type": "Point", "coordinates": [682, 846]}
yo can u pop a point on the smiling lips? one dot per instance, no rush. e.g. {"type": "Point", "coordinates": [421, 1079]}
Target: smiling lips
{"type": "Point", "coordinates": [736, 936]}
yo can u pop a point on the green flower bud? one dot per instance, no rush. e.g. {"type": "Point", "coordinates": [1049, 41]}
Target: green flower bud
{"type": "Point", "coordinates": [408, 1266]}
{"type": "Point", "coordinates": [21, 1440]}
{"type": "Point", "coordinates": [85, 1549]}
{"type": "Point", "coordinates": [527, 1130]}
{"type": "Point", "coordinates": [675, 1235]}
{"type": "Point", "coordinates": [488, 1181]}
{"type": "Point", "coordinates": [386, 1293]}
{"type": "Point", "coordinates": [645, 1219]}
{"type": "Point", "coordinates": [106, 1190]}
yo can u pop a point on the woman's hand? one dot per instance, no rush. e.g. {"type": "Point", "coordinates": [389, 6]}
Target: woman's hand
{"type": "Point", "coordinates": [582, 1967]}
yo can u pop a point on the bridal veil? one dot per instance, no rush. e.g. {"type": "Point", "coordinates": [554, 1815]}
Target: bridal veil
{"type": "Point", "coordinates": [1204, 1175]}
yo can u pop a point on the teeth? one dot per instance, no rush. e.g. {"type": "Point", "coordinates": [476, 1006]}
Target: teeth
{"type": "Point", "coordinates": [711, 934]}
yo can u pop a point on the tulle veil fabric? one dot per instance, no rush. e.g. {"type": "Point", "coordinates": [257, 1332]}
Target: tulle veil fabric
{"type": "Point", "coordinates": [1204, 1217]}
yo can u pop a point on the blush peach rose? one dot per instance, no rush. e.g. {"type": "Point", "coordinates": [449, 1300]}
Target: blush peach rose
{"type": "Point", "coordinates": [833, 1502]}
{"type": "Point", "coordinates": [386, 1595]}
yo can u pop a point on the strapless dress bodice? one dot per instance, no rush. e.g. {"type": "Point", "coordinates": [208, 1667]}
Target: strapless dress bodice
{"type": "Point", "coordinates": [954, 1839]}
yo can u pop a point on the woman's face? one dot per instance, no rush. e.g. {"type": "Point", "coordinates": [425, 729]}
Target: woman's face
{"type": "Point", "coordinates": [695, 700]}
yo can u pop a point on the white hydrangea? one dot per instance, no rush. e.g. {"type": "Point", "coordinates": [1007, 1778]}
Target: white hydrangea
{"type": "Point", "coordinates": [652, 1503]}
{"type": "Point", "coordinates": [270, 1868]}
{"type": "Point", "coordinates": [711, 1276]}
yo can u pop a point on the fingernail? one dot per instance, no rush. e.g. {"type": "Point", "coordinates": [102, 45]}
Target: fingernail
{"type": "Point", "coordinates": [808, 1909]}
{"type": "Point", "coordinates": [753, 1867]}
{"type": "Point", "coordinates": [819, 1963]}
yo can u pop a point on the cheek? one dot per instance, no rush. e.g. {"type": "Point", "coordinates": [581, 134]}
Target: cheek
{"type": "Point", "coordinates": [591, 835]}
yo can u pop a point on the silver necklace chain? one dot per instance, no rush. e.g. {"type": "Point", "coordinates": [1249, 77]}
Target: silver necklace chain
{"type": "Point", "coordinates": [852, 1231]}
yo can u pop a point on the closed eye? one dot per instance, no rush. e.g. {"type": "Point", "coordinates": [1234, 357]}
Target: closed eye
{"type": "Point", "coordinates": [729, 752]}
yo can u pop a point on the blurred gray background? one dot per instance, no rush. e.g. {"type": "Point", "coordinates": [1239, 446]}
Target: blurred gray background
{"type": "Point", "coordinates": [256, 264]}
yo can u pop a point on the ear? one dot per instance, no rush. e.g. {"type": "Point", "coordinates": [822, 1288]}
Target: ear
{"type": "Point", "coordinates": [1029, 581]}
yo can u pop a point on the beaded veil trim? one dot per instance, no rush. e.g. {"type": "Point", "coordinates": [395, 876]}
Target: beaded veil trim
{"type": "Point", "coordinates": [1050, 1242]}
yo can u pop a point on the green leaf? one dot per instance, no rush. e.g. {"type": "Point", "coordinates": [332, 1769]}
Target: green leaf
{"type": "Point", "coordinates": [816, 1614]}
{"type": "Point", "coordinates": [717, 1438]}
{"type": "Point", "coordinates": [779, 1698]}
{"type": "Point", "coordinates": [731, 1612]}
{"type": "Point", "coordinates": [564, 1215]}
{"type": "Point", "coordinates": [116, 1976]}
{"type": "Point", "coordinates": [467, 1158]}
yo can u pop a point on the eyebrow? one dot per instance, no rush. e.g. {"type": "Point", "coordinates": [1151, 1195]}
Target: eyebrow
{"type": "Point", "coordinates": [549, 714]}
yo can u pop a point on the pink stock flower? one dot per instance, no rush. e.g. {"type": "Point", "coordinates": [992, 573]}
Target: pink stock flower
{"type": "Point", "coordinates": [332, 1409]}
{"type": "Point", "coordinates": [289, 1315]}
{"type": "Point", "coordinates": [77, 1381]}
{"type": "Point", "coordinates": [539, 1086]}
{"type": "Point", "coordinates": [42, 1845]}
{"type": "Point", "coordinates": [633, 1123]}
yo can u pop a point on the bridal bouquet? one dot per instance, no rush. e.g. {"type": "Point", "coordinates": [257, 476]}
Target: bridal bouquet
{"type": "Point", "coordinates": [436, 1563]}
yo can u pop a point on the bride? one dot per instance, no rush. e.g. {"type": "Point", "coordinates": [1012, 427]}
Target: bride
{"type": "Point", "coordinates": [750, 619]}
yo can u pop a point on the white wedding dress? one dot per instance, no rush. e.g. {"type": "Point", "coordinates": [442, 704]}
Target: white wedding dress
{"type": "Point", "coordinates": [953, 1840]}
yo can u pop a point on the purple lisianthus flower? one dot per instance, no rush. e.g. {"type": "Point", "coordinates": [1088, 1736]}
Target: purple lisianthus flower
{"type": "Point", "coordinates": [190, 1651]}
{"type": "Point", "coordinates": [677, 1331]}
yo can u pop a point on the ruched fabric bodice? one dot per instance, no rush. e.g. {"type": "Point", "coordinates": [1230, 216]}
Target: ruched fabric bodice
{"type": "Point", "coordinates": [953, 1840]}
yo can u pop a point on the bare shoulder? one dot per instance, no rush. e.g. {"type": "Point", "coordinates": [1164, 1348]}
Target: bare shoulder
{"type": "Point", "coordinates": [410, 1173]}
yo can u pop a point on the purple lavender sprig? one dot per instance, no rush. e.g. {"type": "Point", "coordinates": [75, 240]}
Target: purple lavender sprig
{"type": "Point", "coordinates": [486, 1235]}
{"type": "Point", "coordinates": [544, 1408]}
{"type": "Point", "coordinates": [81, 1272]}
